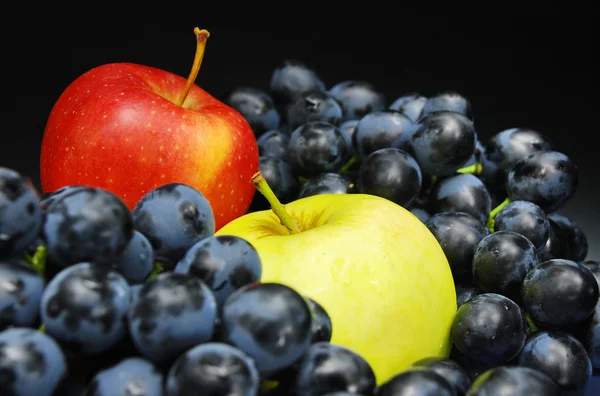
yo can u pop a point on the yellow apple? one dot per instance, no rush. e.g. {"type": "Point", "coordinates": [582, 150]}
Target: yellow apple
{"type": "Point", "coordinates": [374, 266]}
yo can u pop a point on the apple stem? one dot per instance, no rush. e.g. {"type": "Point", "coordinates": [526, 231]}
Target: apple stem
{"type": "Point", "coordinates": [201, 36]}
{"type": "Point", "coordinates": [260, 183]}
{"type": "Point", "coordinates": [492, 216]}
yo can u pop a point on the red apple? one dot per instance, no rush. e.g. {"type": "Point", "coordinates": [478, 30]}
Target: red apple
{"type": "Point", "coordinates": [129, 128]}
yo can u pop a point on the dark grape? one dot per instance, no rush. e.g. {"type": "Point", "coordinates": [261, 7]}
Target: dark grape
{"type": "Point", "coordinates": [273, 143]}
{"type": "Point", "coordinates": [348, 129]}
{"type": "Point", "coordinates": [49, 198]}
{"type": "Point", "coordinates": [421, 213]}
{"type": "Point", "coordinates": [560, 356]}
{"type": "Point", "coordinates": [505, 148]}
{"type": "Point", "coordinates": [558, 293]}
{"type": "Point", "coordinates": [315, 105]}
{"type": "Point", "coordinates": [392, 174]}
{"type": "Point", "coordinates": [20, 214]}
{"type": "Point", "coordinates": [327, 183]}
{"type": "Point", "coordinates": [292, 78]}
{"type": "Point", "coordinates": [448, 101]}
{"type": "Point", "coordinates": [411, 105]}
{"type": "Point", "coordinates": [130, 376]}
{"type": "Point", "coordinates": [85, 307]}
{"type": "Point", "coordinates": [31, 363]}
{"type": "Point", "coordinates": [450, 370]}
{"type": "Point", "coordinates": [327, 367]}
{"type": "Point", "coordinates": [213, 369]}
{"type": "Point", "coordinates": [224, 262]}
{"type": "Point", "coordinates": [589, 331]}
{"type": "Point", "coordinates": [21, 289]}
{"type": "Point", "coordinates": [574, 243]}
{"type": "Point", "coordinates": [461, 193]}
{"type": "Point", "coordinates": [172, 312]}
{"type": "Point", "coordinates": [380, 129]}
{"type": "Point", "coordinates": [322, 327]}
{"type": "Point", "coordinates": [465, 293]}
{"type": "Point", "coordinates": [546, 178]}
{"type": "Point", "coordinates": [524, 218]}
{"type": "Point", "coordinates": [417, 381]}
{"type": "Point", "coordinates": [135, 263]}
{"type": "Point", "coordinates": [514, 380]}
{"type": "Point", "coordinates": [458, 234]}
{"type": "Point", "coordinates": [501, 262]}
{"type": "Point", "coordinates": [173, 217]}
{"type": "Point", "coordinates": [88, 224]}
{"type": "Point", "coordinates": [256, 106]}
{"type": "Point", "coordinates": [317, 147]}
{"type": "Point", "coordinates": [357, 98]}
{"type": "Point", "coordinates": [442, 142]}
{"type": "Point", "coordinates": [489, 328]}
{"type": "Point", "coordinates": [280, 176]}
{"type": "Point", "coordinates": [270, 322]}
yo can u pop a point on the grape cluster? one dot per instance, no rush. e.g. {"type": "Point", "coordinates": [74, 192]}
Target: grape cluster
{"type": "Point", "coordinates": [100, 300]}
{"type": "Point", "coordinates": [528, 319]}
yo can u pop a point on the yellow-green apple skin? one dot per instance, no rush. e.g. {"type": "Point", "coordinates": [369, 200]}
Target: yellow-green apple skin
{"type": "Point", "coordinates": [375, 268]}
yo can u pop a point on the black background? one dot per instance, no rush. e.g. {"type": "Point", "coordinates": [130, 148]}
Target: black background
{"type": "Point", "coordinates": [519, 69]}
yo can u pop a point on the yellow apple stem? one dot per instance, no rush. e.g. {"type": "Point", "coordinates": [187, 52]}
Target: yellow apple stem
{"type": "Point", "coordinates": [491, 218]}
{"type": "Point", "coordinates": [277, 207]}
{"type": "Point", "coordinates": [474, 169]}
{"type": "Point", "coordinates": [201, 36]}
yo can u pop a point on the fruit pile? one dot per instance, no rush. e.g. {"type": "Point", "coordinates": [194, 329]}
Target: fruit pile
{"type": "Point", "coordinates": [100, 299]}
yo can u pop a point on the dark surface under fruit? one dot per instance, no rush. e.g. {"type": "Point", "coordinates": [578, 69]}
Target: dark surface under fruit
{"type": "Point", "coordinates": [81, 287]}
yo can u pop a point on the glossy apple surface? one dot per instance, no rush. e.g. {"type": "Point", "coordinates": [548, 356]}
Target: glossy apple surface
{"type": "Point", "coordinates": [374, 266]}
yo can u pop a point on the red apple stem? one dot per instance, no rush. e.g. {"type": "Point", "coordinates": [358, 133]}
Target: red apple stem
{"type": "Point", "coordinates": [260, 183]}
{"type": "Point", "coordinates": [201, 36]}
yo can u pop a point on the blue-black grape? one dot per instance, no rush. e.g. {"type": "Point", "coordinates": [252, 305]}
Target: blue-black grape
{"type": "Point", "coordinates": [172, 312]}
{"type": "Point", "coordinates": [322, 328]}
{"type": "Point", "coordinates": [348, 129]}
{"type": "Point", "coordinates": [573, 240]}
{"type": "Point", "coordinates": [20, 214]}
{"type": "Point", "coordinates": [224, 262]}
{"type": "Point", "coordinates": [273, 143]}
{"type": "Point", "coordinates": [489, 328]}
{"type": "Point", "coordinates": [292, 78]}
{"type": "Point", "coordinates": [315, 105]}
{"type": "Point", "coordinates": [448, 101]}
{"type": "Point", "coordinates": [135, 263]}
{"type": "Point", "coordinates": [588, 332]}
{"type": "Point", "coordinates": [514, 380]}
{"type": "Point", "coordinates": [380, 129]}
{"type": "Point", "coordinates": [442, 142]}
{"type": "Point", "coordinates": [458, 234]}
{"type": "Point", "coordinates": [547, 178]}
{"type": "Point", "coordinates": [463, 192]}
{"type": "Point", "coordinates": [256, 106]}
{"type": "Point", "coordinates": [421, 381]}
{"type": "Point", "coordinates": [501, 262]}
{"type": "Point", "coordinates": [316, 147]}
{"type": "Point", "coordinates": [560, 356]}
{"type": "Point", "coordinates": [49, 198]}
{"type": "Point", "coordinates": [21, 289]}
{"type": "Point", "coordinates": [87, 225]}
{"type": "Point", "coordinates": [173, 217]}
{"type": "Point", "coordinates": [327, 367]}
{"type": "Point", "coordinates": [525, 218]}
{"type": "Point", "coordinates": [85, 306]}
{"type": "Point", "coordinates": [270, 322]}
{"type": "Point", "coordinates": [327, 183]}
{"type": "Point", "coordinates": [357, 98]}
{"type": "Point", "coordinates": [281, 179]}
{"type": "Point", "coordinates": [450, 370]}
{"type": "Point", "coordinates": [213, 369]}
{"type": "Point", "coordinates": [390, 173]}
{"type": "Point", "coordinates": [411, 105]}
{"type": "Point", "coordinates": [131, 376]}
{"type": "Point", "coordinates": [31, 363]}
{"type": "Point", "coordinates": [505, 148]}
{"type": "Point", "coordinates": [421, 213]}
{"type": "Point", "coordinates": [558, 293]}
{"type": "Point", "coordinates": [465, 293]}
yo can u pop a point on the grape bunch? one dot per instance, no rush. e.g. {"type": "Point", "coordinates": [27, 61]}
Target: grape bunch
{"type": "Point", "coordinates": [528, 318]}
{"type": "Point", "coordinates": [100, 300]}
